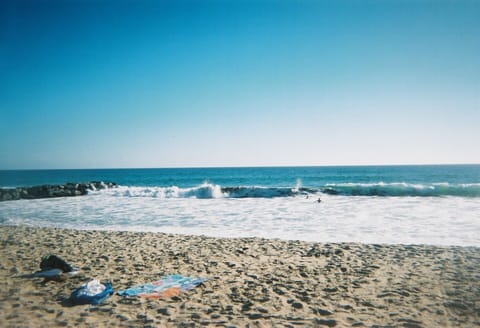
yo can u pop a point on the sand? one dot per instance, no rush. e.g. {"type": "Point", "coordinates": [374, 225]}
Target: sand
{"type": "Point", "coordinates": [252, 282]}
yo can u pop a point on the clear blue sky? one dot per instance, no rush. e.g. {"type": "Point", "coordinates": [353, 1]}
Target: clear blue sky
{"type": "Point", "coordinates": [89, 84]}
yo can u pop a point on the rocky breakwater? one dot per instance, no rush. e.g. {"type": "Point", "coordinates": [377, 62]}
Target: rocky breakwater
{"type": "Point", "coordinates": [49, 191]}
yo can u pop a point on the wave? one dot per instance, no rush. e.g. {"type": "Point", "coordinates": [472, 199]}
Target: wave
{"type": "Point", "coordinates": [210, 191]}
{"type": "Point", "coordinates": [203, 191]}
{"type": "Point", "coordinates": [265, 192]}
{"type": "Point", "coordinates": [206, 191]}
{"type": "Point", "coordinates": [403, 189]}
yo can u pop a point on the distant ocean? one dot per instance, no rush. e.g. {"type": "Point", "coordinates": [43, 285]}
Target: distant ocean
{"type": "Point", "coordinates": [430, 204]}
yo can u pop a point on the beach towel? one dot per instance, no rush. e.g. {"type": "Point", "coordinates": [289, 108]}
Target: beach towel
{"type": "Point", "coordinates": [167, 286]}
{"type": "Point", "coordinates": [92, 292]}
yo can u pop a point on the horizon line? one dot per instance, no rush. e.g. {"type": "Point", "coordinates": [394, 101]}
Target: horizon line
{"type": "Point", "coordinates": [236, 166]}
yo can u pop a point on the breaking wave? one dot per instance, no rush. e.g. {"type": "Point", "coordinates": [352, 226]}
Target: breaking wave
{"type": "Point", "coordinates": [403, 189]}
{"type": "Point", "coordinates": [205, 191]}
{"type": "Point", "coordinates": [209, 191]}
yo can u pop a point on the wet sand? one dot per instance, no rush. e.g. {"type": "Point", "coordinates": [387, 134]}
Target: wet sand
{"type": "Point", "coordinates": [252, 282]}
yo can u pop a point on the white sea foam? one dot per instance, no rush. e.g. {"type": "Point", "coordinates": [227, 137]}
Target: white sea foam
{"type": "Point", "coordinates": [205, 190]}
{"type": "Point", "coordinates": [206, 210]}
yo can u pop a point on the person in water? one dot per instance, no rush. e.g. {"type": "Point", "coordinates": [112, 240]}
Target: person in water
{"type": "Point", "coordinates": [319, 200]}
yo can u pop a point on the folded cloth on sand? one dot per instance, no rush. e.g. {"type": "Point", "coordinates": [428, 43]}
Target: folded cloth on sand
{"type": "Point", "coordinates": [52, 273]}
{"type": "Point", "coordinates": [167, 286]}
{"type": "Point", "coordinates": [92, 292]}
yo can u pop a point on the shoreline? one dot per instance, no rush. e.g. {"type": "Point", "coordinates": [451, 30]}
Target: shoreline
{"type": "Point", "coordinates": [161, 232]}
{"type": "Point", "coordinates": [260, 282]}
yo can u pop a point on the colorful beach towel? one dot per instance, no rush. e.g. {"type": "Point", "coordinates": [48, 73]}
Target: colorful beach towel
{"type": "Point", "coordinates": [167, 286]}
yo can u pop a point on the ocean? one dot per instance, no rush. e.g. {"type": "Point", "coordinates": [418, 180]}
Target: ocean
{"type": "Point", "coordinates": [425, 204]}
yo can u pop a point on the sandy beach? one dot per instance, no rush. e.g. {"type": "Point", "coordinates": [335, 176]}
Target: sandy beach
{"type": "Point", "coordinates": [251, 282]}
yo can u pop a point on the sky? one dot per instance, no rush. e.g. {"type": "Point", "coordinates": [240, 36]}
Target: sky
{"type": "Point", "coordinates": [108, 84]}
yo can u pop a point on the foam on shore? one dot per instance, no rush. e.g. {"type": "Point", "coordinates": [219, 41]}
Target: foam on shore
{"type": "Point", "coordinates": [257, 281]}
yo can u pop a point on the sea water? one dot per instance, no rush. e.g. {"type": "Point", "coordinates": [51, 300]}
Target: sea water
{"type": "Point", "coordinates": [438, 204]}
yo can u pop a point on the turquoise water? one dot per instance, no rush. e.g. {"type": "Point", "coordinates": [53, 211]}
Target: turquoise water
{"type": "Point", "coordinates": [429, 180]}
{"type": "Point", "coordinates": [437, 205]}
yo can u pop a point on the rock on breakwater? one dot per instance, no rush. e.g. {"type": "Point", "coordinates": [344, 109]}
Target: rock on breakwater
{"type": "Point", "coordinates": [49, 191]}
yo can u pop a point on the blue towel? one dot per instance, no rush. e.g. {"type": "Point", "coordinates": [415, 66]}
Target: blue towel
{"type": "Point", "coordinates": [79, 295]}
